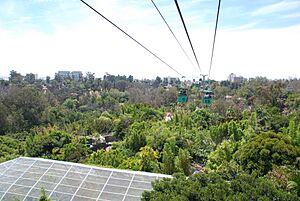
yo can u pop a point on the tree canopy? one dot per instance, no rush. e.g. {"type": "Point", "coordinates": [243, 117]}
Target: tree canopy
{"type": "Point", "coordinates": [245, 146]}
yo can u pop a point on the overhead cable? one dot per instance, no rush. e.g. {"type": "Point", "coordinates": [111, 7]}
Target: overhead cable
{"type": "Point", "coordinates": [132, 38]}
{"type": "Point", "coordinates": [172, 33]}
{"type": "Point", "coordinates": [187, 33]}
{"type": "Point", "coordinates": [214, 40]}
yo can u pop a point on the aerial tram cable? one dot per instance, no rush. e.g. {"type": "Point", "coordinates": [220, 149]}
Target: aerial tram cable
{"type": "Point", "coordinates": [187, 33]}
{"type": "Point", "coordinates": [214, 40]}
{"type": "Point", "coordinates": [148, 50]}
{"type": "Point", "coordinates": [207, 98]}
{"type": "Point", "coordinates": [161, 15]}
{"type": "Point", "coordinates": [206, 90]}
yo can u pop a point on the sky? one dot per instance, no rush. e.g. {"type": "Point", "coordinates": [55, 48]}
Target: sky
{"type": "Point", "coordinates": [255, 38]}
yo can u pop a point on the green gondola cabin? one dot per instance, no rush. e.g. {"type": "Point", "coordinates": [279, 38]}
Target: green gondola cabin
{"type": "Point", "coordinates": [182, 96]}
{"type": "Point", "coordinates": [207, 97]}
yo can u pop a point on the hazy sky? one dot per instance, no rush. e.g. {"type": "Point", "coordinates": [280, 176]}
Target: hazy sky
{"type": "Point", "coordinates": [255, 38]}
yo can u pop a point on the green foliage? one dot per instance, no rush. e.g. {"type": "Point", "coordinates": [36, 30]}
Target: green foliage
{"type": "Point", "coordinates": [201, 117]}
{"type": "Point", "coordinates": [168, 158]}
{"type": "Point", "coordinates": [3, 118]}
{"type": "Point", "coordinates": [286, 178]}
{"type": "Point", "coordinates": [235, 133]}
{"type": "Point", "coordinates": [247, 187]}
{"type": "Point", "coordinates": [113, 158]}
{"type": "Point", "coordinates": [294, 181]}
{"type": "Point", "coordinates": [219, 133]}
{"type": "Point", "coordinates": [143, 112]}
{"type": "Point", "coordinates": [70, 103]}
{"type": "Point", "coordinates": [132, 163]}
{"type": "Point", "coordinates": [74, 152]}
{"type": "Point", "coordinates": [294, 132]}
{"type": "Point", "coordinates": [183, 162]}
{"type": "Point", "coordinates": [264, 151]}
{"type": "Point", "coordinates": [213, 187]}
{"type": "Point", "coordinates": [293, 102]}
{"type": "Point", "coordinates": [135, 140]}
{"type": "Point", "coordinates": [158, 134]}
{"type": "Point", "coordinates": [276, 119]}
{"type": "Point", "coordinates": [53, 119]}
{"type": "Point", "coordinates": [10, 148]}
{"type": "Point", "coordinates": [149, 162]}
{"type": "Point", "coordinates": [253, 121]}
{"type": "Point", "coordinates": [199, 144]}
{"type": "Point", "coordinates": [103, 124]}
{"type": "Point", "coordinates": [48, 144]}
{"type": "Point", "coordinates": [44, 197]}
{"type": "Point", "coordinates": [221, 157]}
{"type": "Point", "coordinates": [280, 176]}
{"type": "Point", "coordinates": [27, 104]}
{"type": "Point", "coordinates": [120, 126]}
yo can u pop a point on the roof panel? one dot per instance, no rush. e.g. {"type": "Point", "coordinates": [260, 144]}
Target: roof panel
{"type": "Point", "coordinates": [28, 198]}
{"type": "Point", "coordinates": [102, 173]}
{"type": "Point", "coordinates": [43, 164]}
{"type": "Point", "coordinates": [24, 178]}
{"type": "Point", "coordinates": [17, 189]}
{"type": "Point", "coordinates": [122, 175]}
{"type": "Point", "coordinates": [78, 198]}
{"type": "Point", "coordinates": [36, 192]}
{"type": "Point", "coordinates": [111, 196]}
{"type": "Point", "coordinates": [7, 179]}
{"type": "Point", "coordinates": [56, 196]}
{"type": "Point", "coordinates": [144, 178]}
{"type": "Point", "coordinates": [71, 182]}
{"type": "Point", "coordinates": [60, 166]}
{"type": "Point", "coordinates": [118, 182]}
{"type": "Point", "coordinates": [13, 173]}
{"type": "Point", "coordinates": [115, 189]}
{"type": "Point", "coordinates": [32, 175]}
{"type": "Point", "coordinates": [92, 186]}
{"type": "Point", "coordinates": [66, 189]}
{"type": "Point", "coordinates": [135, 192]}
{"type": "Point", "coordinates": [131, 198]}
{"type": "Point", "coordinates": [25, 182]}
{"type": "Point", "coordinates": [11, 196]}
{"type": "Point", "coordinates": [4, 187]}
{"type": "Point", "coordinates": [50, 178]}
{"type": "Point", "coordinates": [56, 172]}
{"type": "Point", "coordinates": [88, 193]}
{"type": "Point", "coordinates": [141, 185]}
{"type": "Point", "coordinates": [45, 185]}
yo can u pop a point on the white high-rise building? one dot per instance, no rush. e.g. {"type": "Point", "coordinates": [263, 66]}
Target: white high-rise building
{"type": "Point", "coordinates": [231, 77]}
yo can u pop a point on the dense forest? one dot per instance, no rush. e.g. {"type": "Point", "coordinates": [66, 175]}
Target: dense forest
{"type": "Point", "coordinates": [245, 146]}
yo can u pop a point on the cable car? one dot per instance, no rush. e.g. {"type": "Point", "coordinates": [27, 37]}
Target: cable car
{"type": "Point", "coordinates": [207, 97]}
{"type": "Point", "coordinates": [182, 96]}
{"type": "Point", "coordinates": [206, 91]}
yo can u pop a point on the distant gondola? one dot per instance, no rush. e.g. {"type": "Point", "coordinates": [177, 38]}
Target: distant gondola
{"type": "Point", "coordinates": [182, 96]}
{"type": "Point", "coordinates": [207, 97]}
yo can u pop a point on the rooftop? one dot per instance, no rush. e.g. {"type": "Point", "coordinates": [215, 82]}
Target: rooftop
{"type": "Point", "coordinates": [24, 178]}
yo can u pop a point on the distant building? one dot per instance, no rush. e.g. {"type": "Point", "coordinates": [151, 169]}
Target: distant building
{"type": "Point", "coordinates": [236, 79]}
{"type": "Point", "coordinates": [75, 75]}
{"type": "Point", "coordinates": [64, 74]}
{"type": "Point", "coordinates": [231, 77]}
{"type": "Point", "coordinates": [170, 81]}
{"type": "Point", "coordinates": [239, 79]}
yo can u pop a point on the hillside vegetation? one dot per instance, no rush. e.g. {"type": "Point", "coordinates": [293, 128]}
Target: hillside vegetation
{"type": "Point", "coordinates": [245, 146]}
